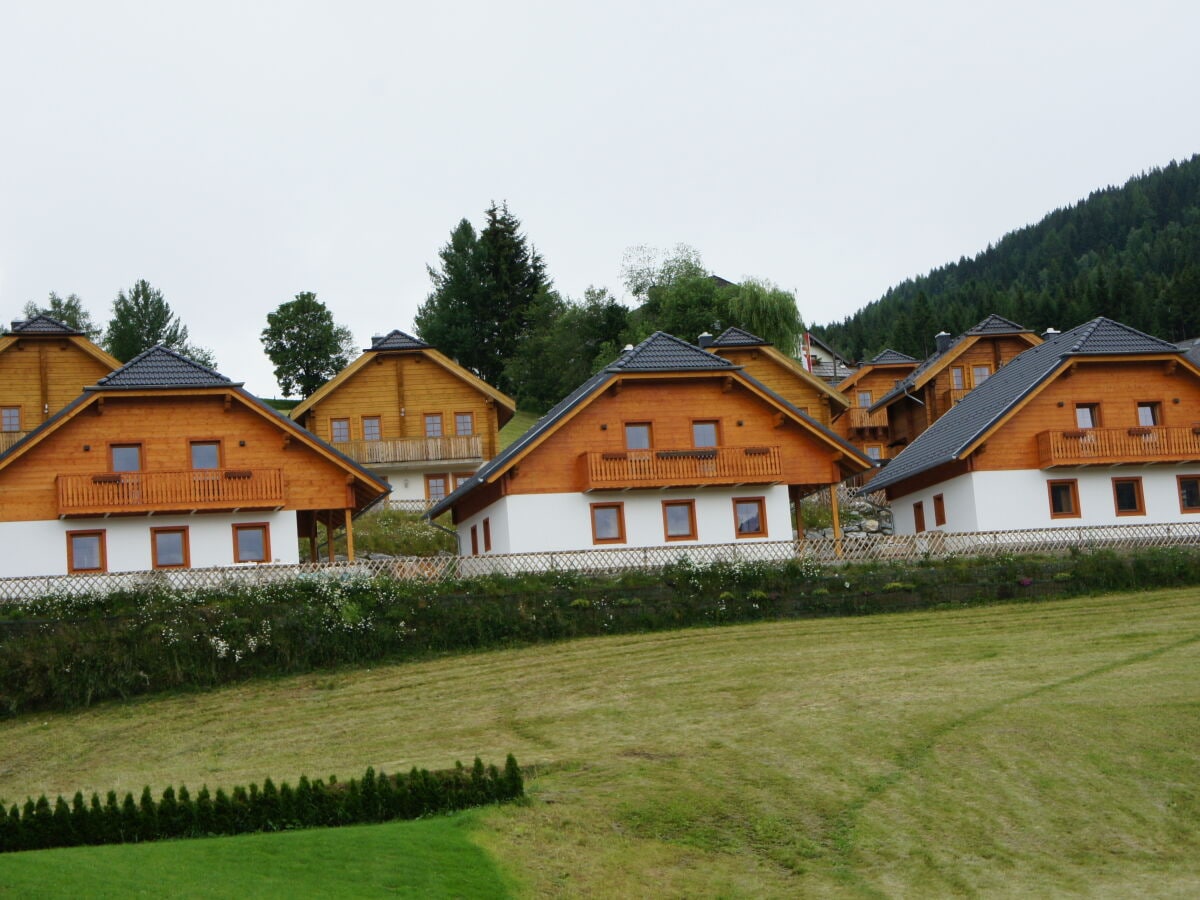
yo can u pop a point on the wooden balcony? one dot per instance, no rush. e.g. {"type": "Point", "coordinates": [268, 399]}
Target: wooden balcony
{"type": "Point", "coordinates": [1118, 446]}
{"type": "Point", "coordinates": [8, 438]}
{"type": "Point", "coordinates": [951, 396]}
{"type": "Point", "coordinates": [681, 468]}
{"type": "Point", "coordinates": [405, 450]}
{"type": "Point", "coordinates": [127, 493]}
{"type": "Point", "coordinates": [862, 418]}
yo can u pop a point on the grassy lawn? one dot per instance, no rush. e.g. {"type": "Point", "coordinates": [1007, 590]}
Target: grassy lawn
{"type": "Point", "coordinates": [1030, 749]}
{"type": "Point", "coordinates": [516, 427]}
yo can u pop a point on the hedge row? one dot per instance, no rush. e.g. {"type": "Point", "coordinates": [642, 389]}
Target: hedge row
{"type": "Point", "coordinates": [62, 652]}
{"type": "Point", "coordinates": [311, 804]}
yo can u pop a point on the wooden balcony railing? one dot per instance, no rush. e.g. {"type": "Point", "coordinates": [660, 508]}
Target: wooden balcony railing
{"type": "Point", "coordinates": [119, 493]}
{"type": "Point", "coordinates": [1114, 446]}
{"type": "Point", "coordinates": [861, 417]}
{"type": "Point", "coordinates": [8, 438]}
{"type": "Point", "coordinates": [400, 450]}
{"type": "Point", "coordinates": [682, 468]}
{"type": "Point", "coordinates": [952, 396]}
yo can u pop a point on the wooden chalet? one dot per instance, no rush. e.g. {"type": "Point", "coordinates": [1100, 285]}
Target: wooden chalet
{"type": "Point", "coordinates": [668, 445]}
{"type": "Point", "coordinates": [781, 373]}
{"type": "Point", "coordinates": [1099, 425]}
{"type": "Point", "coordinates": [44, 365]}
{"type": "Point", "coordinates": [168, 464]}
{"type": "Point", "coordinates": [956, 367]}
{"type": "Point", "coordinates": [860, 425]}
{"type": "Point", "coordinates": [414, 417]}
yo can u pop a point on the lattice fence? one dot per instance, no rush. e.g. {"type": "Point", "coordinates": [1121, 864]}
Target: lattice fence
{"type": "Point", "coordinates": [857, 548]}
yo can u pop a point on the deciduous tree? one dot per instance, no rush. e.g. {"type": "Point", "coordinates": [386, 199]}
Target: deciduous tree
{"type": "Point", "coordinates": [305, 345]}
{"type": "Point", "coordinates": [68, 310]}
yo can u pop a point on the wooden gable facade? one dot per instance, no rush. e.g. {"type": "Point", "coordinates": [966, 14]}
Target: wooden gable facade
{"type": "Point", "coordinates": [44, 365]}
{"type": "Point", "coordinates": [411, 415]}
{"type": "Point", "coordinates": [166, 452]}
{"type": "Point", "coordinates": [865, 428]}
{"type": "Point", "coordinates": [669, 444]}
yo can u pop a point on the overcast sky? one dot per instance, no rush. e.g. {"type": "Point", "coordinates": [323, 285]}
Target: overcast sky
{"type": "Point", "coordinates": [235, 154]}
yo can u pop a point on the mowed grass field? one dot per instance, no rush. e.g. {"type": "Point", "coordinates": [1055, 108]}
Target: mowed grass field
{"type": "Point", "coordinates": [1032, 749]}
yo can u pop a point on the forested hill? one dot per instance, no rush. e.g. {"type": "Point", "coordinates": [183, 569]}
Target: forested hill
{"type": "Point", "coordinates": [1131, 253]}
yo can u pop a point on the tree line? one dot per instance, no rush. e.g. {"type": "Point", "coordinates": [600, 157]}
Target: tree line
{"type": "Point", "coordinates": [1131, 253]}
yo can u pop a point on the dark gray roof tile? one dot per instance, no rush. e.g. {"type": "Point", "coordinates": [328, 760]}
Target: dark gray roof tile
{"type": "Point", "coordinates": [42, 324]}
{"type": "Point", "coordinates": [738, 337]}
{"type": "Point", "coordinates": [160, 367]}
{"type": "Point", "coordinates": [397, 340]}
{"type": "Point", "coordinates": [890, 357]}
{"type": "Point", "coordinates": [665, 352]}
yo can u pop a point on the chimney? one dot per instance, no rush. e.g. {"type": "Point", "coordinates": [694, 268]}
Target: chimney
{"type": "Point", "coordinates": [942, 340]}
{"type": "Point", "coordinates": [1049, 333]}
{"type": "Point", "coordinates": [705, 340]}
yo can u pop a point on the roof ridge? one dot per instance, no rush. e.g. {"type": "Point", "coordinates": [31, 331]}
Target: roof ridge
{"type": "Point", "coordinates": [160, 366]}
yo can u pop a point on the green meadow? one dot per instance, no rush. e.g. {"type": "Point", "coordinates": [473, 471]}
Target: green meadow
{"type": "Point", "coordinates": [1027, 749]}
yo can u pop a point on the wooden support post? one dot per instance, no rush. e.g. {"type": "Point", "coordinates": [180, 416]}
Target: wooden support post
{"type": "Point", "coordinates": [312, 539]}
{"type": "Point", "coordinates": [349, 535]}
{"type": "Point", "coordinates": [837, 520]}
{"type": "Point", "coordinates": [329, 537]}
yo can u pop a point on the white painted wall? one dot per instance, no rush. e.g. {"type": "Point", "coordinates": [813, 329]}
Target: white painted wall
{"type": "Point", "coordinates": [409, 484]}
{"type": "Point", "coordinates": [538, 523]}
{"type": "Point", "coordinates": [1007, 501]}
{"type": "Point", "coordinates": [40, 548]}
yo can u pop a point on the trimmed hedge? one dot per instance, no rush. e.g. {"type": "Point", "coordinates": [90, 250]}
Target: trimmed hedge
{"type": "Point", "coordinates": [377, 797]}
{"type": "Point", "coordinates": [69, 651]}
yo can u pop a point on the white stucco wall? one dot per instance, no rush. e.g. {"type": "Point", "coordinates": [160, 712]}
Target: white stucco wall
{"type": "Point", "coordinates": [538, 523]}
{"type": "Point", "coordinates": [40, 548]}
{"type": "Point", "coordinates": [409, 484]}
{"type": "Point", "coordinates": [1006, 501]}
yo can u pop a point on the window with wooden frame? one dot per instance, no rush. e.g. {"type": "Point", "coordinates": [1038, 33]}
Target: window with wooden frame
{"type": "Point", "coordinates": [433, 425]}
{"type": "Point", "coordinates": [474, 540]}
{"type": "Point", "coordinates": [252, 542]}
{"type": "Point", "coordinates": [608, 523]}
{"type": "Point", "coordinates": [874, 451]}
{"type": "Point", "coordinates": [1064, 499]}
{"type": "Point", "coordinates": [864, 399]}
{"type": "Point", "coordinates": [679, 520]}
{"type": "Point", "coordinates": [86, 552]}
{"type": "Point", "coordinates": [1149, 414]}
{"type": "Point", "coordinates": [487, 535]}
{"type": "Point", "coordinates": [1087, 415]}
{"type": "Point", "coordinates": [1127, 497]}
{"type": "Point", "coordinates": [939, 509]}
{"type": "Point", "coordinates": [980, 374]}
{"type": "Point", "coordinates": [705, 433]}
{"type": "Point", "coordinates": [460, 477]}
{"type": "Point", "coordinates": [749, 517]}
{"type": "Point", "coordinates": [464, 423]}
{"type": "Point", "coordinates": [169, 548]}
{"type": "Point", "coordinates": [956, 378]}
{"type": "Point", "coordinates": [339, 430]}
{"type": "Point", "coordinates": [435, 488]}
{"type": "Point", "coordinates": [372, 428]}
{"type": "Point", "coordinates": [1189, 493]}
{"type": "Point", "coordinates": [637, 436]}
{"type": "Point", "coordinates": [125, 457]}
{"type": "Point", "coordinates": [205, 454]}
{"type": "Point", "coordinates": [919, 516]}
{"type": "Point", "coordinates": [10, 418]}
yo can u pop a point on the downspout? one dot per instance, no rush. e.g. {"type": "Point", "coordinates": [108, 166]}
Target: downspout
{"type": "Point", "coordinates": [453, 534]}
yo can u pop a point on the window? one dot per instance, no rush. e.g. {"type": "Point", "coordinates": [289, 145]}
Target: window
{"type": "Point", "coordinates": [919, 516]}
{"type": "Point", "coordinates": [704, 434]}
{"type": "Point", "coordinates": [169, 548]}
{"type": "Point", "coordinates": [874, 451]}
{"type": "Point", "coordinates": [126, 457]}
{"type": "Point", "coordinates": [679, 520]}
{"type": "Point", "coordinates": [1064, 499]}
{"type": "Point", "coordinates": [433, 425]}
{"type": "Point", "coordinates": [86, 552]}
{"type": "Point", "coordinates": [435, 488]}
{"type": "Point", "coordinates": [980, 374]}
{"type": "Point", "coordinates": [474, 540]}
{"type": "Point", "coordinates": [371, 428]}
{"type": "Point", "coordinates": [339, 430]}
{"type": "Point", "coordinates": [608, 523]}
{"type": "Point", "coordinates": [637, 436]}
{"type": "Point", "coordinates": [252, 543]}
{"type": "Point", "coordinates": [464, 423]}
{"type": "Point", "coordinates": [939, 509]}
{"type": "Point", "coordinates": [10, 418]}
{"type": "Point", "coordinates": [1149, 414]}
{"type": "Point", "coordinates": [750, 517]}
{"type": "Point", "coordinates": [956, 378]}
{"type": "Point", "coordinates": [1087, 415]}
{"type": "Point", "coordinates": [206, 454]}
{"type": "Point", "coordinates": [487, 535]}
{"type": "Point", "coordinates": [864, 399]}
{"type": "Point", "coordinates": [460, 477]}
{"type": "Point", "coordinates": [1189, 493]}
{"type": "Point", "coordinates": [1127, 496]}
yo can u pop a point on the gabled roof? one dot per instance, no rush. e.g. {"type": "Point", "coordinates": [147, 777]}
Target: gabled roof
{"type": "Point", "coordinates": [160, 367]}
{"type": "Point", "coordinates": [991, 326]}
{"type": "Point", "coordinates": [1191, 347]}
{"type": "Point", "coordinates": [737, 337]}
{"type": "Point", "coordinates": [652, 355]}
{"type": "Point", "coordinates": [42, 324]}
{"type": "Point", "coordinates": [399, 341]}
{"type": "Point", "coordinates": [890, 357]}
{"type": "Point", "coordinates": [396, 340]}
{"type": "Point", "coordinates": [964, 425]}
